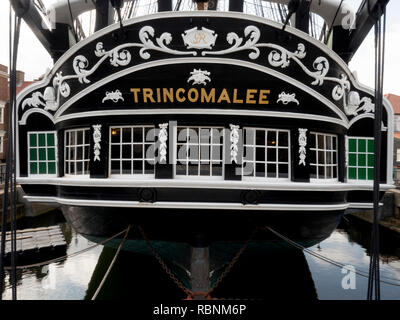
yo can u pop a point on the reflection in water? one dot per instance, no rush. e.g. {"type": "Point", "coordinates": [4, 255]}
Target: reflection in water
{"type": "Point", "coordinates": [349, 245]}
{"type": "Point", "coordinates": [258, 274]}
{"type": "Point", "coordinates": [254, 276]}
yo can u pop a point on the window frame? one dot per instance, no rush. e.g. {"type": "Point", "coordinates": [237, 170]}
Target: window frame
{"type": "Point", "coordinates": [200, 177]}
{"type": "Point", "coordinates": [110, 159]}
{"type": "Point", "coordinates": [84, 144]}
{"type": "Point", "coordinates": [366, 153]}
{"type": "Point", "coordinates": [51, 175]}
{"type": "Point", "coordinates": [317, 165]}
{"type": "Point", "coordinates": [2, 112]}
{"type": "Point", "coordinates": [277, 162]}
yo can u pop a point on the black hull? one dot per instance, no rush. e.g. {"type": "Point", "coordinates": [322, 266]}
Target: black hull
{"type": "Point", "coordinates": [202, 227]}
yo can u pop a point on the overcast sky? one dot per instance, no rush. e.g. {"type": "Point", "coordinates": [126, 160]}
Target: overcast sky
{"type": "Point", "coordinates": [34, 59]}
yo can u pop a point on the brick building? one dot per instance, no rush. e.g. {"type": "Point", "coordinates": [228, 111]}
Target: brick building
{"type": "Point", "coordinates": [395, 101]}
{"type": "Point", "coordinates": [4, 103]}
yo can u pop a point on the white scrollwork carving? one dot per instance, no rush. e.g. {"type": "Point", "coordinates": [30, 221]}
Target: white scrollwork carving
{"type": "Point", "coordinates": [286, 98]}
{"type": "Point", "coordinates": [115, 96]}
{"type": "Point", "coordinates": [97, 140]}
{"type": "Point", "coordinates": [355, 105]}
{"type": "Point", "coordinates": [163, 137]}
{"type": "Point", "coordinates": [234, 138]}
{"type": "Point", "coordinates": [47, 100]}
{"type": "Point", "coordinates": [199, 38]}
{"type": "Point", "coordinates": [302, 146]}
{"type": "Point", "coordinates": [199, 76]}
{"type": "Point", "coordinates": [233, 39]}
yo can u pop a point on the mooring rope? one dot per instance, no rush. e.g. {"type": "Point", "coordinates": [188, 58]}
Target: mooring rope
{"type": "Point", "coordinates": [10, 179]}
{"type": "Point", "coordinates": [39, 264]}
{"type": "Point", "coordinates": [326, 259]}
{"type": "Point", "coordinates": [374, 274]}
{"type": "Point", "coordinates": [111, 265]}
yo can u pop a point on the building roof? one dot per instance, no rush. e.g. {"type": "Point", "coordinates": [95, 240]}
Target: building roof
{"type": "Point", "coordinates": [395, 101]}
{"type": "Point", "coordinates": [27, 83]}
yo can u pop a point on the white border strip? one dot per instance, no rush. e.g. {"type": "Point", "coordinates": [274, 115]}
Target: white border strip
{"type": "Point", "coordinates": [202, 184]}
{"type": "Point", "coordinates": [189, 205]}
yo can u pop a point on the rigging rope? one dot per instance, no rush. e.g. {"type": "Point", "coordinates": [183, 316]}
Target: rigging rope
{"type": "Point", "coordinates": [374, 274]}
{"type": "Point", "coordinates": [10, 180]}
{"type": "Point", "coordinates": [326, 259]}
{"type": "Point", "coordinates": [111, 264]}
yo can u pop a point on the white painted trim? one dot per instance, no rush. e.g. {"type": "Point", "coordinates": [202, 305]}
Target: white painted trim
{"type": "Point", "coordinates": [34, 110]}
{"type": "Point", "coordinates": [190, 205]}
{"type": "Point", "coordinates": [362, 205]}
{"type": "Point", "coordinates": [361, 116]}
{"type": "Point", "coordinates": [178, 61]}
{"type": "Point", "coordinates": [203, 111]}
{"type": "Point", "coordinates": [201, 184]}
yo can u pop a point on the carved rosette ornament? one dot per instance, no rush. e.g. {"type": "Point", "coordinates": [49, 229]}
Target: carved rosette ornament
{"type": "Point", "coordinates": [96, 140]}
{"type": "Point", "coordinates": [234, 138]}
{"type": "Point", "coordinates": [163, 137]}
{"type": "Point", "coordinates": [302, 146]}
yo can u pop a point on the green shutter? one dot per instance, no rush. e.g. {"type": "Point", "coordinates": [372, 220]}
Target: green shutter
{"type": "Point", "coordinates": [352, 160]}
{"type": "Point", "coordinates": [51, 154]}
{"type": "Point", "coordinates": [370, 173]}
{"type": "Point", "coordinates": [362, 174]}
{"type": "Point", "coordinates": [352, 173]}
{"type": "Point", "coordinates": [32, 140]}
{"type": "Point", "coordinates": [42, 154]}
{"type": "Point", "coordinates": [33, 168]}
{"type": "Point", "coordinates": [50, 139]}
{"type": "Point", "coordinates": [33, 154]}
{"type": "Point", "coordinates": [51, 168]}
{"type": "Point", "coordinates": [352, 145]}
{"type": "Point", "coordinates": [371, 146]}
{"type": "Point", "coordinates": [42, 140]}
{"type": "Point", "coordinates": [370, 160]}
{"type": "Point", "coordinates": [362, 145]}
{"type": "Point", "coordinates": [362, 160]}
{"type": "Point", "coordinates": [42, 168]}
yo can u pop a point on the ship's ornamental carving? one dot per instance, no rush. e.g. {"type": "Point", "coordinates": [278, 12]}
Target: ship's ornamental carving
{"type": "Point", "coordinates": [114, 96]}
{"type": "Point", "coordinates": [302, 146]}
{"type": "Point", "coordinates": [163, 137]}
{"type": "Point", "coordinates": [286, 98]}
{"type": "Point", "coordinates": [199, 38]}
{"type": "Point", "coordinates": [96, 140]}
{"type": "Point", "coordinates": [234, 138]}
{"type": "Point", "coordinates": [199, 76]}
{"type": "Point", "coordinates": [355, 105]}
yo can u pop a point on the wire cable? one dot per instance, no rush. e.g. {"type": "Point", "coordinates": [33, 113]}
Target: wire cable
{"type": "Point", "coordinates": [111, 265]}
{"type": "Point", "coordinates": [326, 259]}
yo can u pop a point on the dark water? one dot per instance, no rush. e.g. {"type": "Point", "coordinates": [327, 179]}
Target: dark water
{"type": "Point", "coordinates": [294, 274]}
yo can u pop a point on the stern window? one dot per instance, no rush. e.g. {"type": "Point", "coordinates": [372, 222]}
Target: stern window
{"type": "Point", "coordinates": [42, 153]}
{"type": "Point", "coordinates": [360, 158]}
{"type": "Point", "coordinates": [323, 161]}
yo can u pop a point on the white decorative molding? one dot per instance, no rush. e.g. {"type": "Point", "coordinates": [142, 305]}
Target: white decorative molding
{"type": "Point", "coordinates": [97, 140]}
{"type": "Point", "coordinates": [286, 98]}
{"type": "Point", "coordinates": [199, 76]}
{"type": "Point", "coordinates": [199, 38]}
{"type": "Point", "coordinates": [163, 137]}
{"type": "Point", "coordinates": [234, 139]}
{"type": "Point", "coordinates": [113, 95]}
{"type": "Point", "coordinates": [120, 56]}
{"type": "Point", "coordinates": [302, 146]}
{"type": "Point", "coordinates": [354, 105]}
{"type": "Point", "coordinates": [47, 100]}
